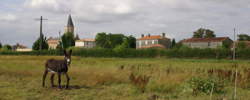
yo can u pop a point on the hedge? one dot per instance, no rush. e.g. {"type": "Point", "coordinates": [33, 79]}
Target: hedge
{"type": "Point", "coordinates": [142, 53]}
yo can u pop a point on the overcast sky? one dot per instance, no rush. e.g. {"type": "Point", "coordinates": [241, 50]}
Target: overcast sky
{"type": "Point", "coordinates": [177, 18]}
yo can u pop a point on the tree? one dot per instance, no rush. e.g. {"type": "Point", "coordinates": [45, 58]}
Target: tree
{"type": "Point", "coordinates": [199, 33]}
{"type": "Point", "coordinates": [173, 43]}
{"type": "Point", "coordinates": [102, 40]}
{"type": "Point", "coordinates": [241, 45]}
{"type": "Point", "coordinates": [109, 40]}
{"type": "Point", "coordinates": [243, 37]}
{"type": "Point", "coordinates": [204, 33]}
{"type": "Point", "coordinates": [209, 33]}
{"type": "Point", "coordinates": [0, 45]}
{"type": "Point", "coordinates": [131, 41]}
{"type": "Point", "coordinates": [68, 40]}
{"type": "Point", "coordinates": [43, 40]}
{"type": "Point", "coordinates": [6, 47]}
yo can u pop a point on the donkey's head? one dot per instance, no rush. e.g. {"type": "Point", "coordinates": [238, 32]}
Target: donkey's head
{"type": "Point", "coordinates": [67, 56]}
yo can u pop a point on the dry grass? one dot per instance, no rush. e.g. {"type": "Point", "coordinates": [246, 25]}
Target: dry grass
{"type": "Point", "coordinates": [109, 78]}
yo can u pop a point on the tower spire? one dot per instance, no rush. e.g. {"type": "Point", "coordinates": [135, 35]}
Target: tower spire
{"type": "Point", "coordinates": [70, 25]}
{"type": "Point", "coordinates": [70, 22]}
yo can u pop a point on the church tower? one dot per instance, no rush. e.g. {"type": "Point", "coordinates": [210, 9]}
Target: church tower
{"type": "Point", "coordinates": [70, 26]}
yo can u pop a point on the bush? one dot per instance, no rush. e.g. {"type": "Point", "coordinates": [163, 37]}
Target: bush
{"type": "Point", "coordinates": [206, 85]}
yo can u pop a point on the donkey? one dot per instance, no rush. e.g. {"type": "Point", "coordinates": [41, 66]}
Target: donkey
{"type": "Point", "coordinates": [58, 66]}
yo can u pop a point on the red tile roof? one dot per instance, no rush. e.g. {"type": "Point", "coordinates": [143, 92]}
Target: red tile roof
{"type": "Point", "coordinates": [217, 39]}
{"type": "Point", "coordinates": [153, 46]}
{"type": "Point", "coordinates": [151, 37]}
{"type": "Point", "coordinates": [84, 40]}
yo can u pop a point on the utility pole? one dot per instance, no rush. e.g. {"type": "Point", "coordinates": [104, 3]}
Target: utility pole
{"type": "Point", "coordinates": [235, 65]}
{"type": "Point", "coordinates": [41, 31]}
{"type": "Point", "coordinates": [60, 39]}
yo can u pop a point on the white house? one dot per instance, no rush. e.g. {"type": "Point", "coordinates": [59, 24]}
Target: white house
{"type": "Point", "coordinates": [153, 41]}
{"type": "Point", "coordinates": [85, 43]}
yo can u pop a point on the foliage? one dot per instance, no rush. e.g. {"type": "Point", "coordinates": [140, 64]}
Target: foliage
{"type": "Point", "coordinates": [206, 85]}
{"type": "Point", "coordinates": [109, 40]}
{"type": "Point", "coordinates": [173, 43]}
{"type": "Point", "coordinates": [209, 34]}
{"type": "Point", "coordinates": [6, 47]}
{"type": "Point", "coordinates": [227, 44]}
{"type": "Point", "coordinates": [68, 40]}
{"type": "Point", "coordinates": [43, 40]}
{"type": "Point", "coordinates": [0, 45]}
{"type": "Point", "coordinates": [113, 40]}
{"type": "Point", "coordinates": [131, 41]}
{"type": "Point", "coordinates": [241, 45]}
{"type": "Point", "coordinates": [243, 37]}
{"type": "Point", "coordinates": [199, 33]}
{"type": "Point", "coordinates": [204, 33]}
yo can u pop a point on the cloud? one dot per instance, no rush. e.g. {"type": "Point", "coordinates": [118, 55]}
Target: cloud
{"type": "Point", "coordinates": [8, 18]}
{"type": "Point", "coordinates": [177, 18]}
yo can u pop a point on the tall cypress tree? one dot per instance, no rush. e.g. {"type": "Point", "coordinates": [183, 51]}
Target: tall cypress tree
{"type": "Point", "coordinates": [68, 40]}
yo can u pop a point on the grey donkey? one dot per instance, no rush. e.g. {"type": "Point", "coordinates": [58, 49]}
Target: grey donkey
{"type": "Point", "coordinates": [58, 67]}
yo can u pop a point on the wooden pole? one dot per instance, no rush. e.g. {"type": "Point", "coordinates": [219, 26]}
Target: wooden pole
{"type": "Point", "coordinates": [235, 65]}
{"type": "Point", "coordinates": [41, 31]}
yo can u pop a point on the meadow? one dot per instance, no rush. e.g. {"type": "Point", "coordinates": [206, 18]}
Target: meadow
{"type": "Point", "coordinates": [126, 79]}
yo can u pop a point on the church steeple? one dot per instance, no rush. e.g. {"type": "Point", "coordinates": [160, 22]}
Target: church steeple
{"type": "Point", "coordinates": [70, 22]}
{"type": "Point", "coordinates": [70, 26]}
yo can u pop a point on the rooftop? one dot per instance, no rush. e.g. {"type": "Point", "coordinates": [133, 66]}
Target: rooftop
{"type": "Point", "coordinates": [216, 39]}
{"type": "Point", "coordinates": [86, 40]}
{"type": "Point", "coordinates": [151, 37]}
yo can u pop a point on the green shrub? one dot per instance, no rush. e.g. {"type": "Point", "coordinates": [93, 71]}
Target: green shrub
{"type": "Point", "coordinates": [206, 85]}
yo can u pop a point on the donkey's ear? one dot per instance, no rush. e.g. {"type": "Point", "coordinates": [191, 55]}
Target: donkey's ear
{"type": "Point", "coordinates": [65, 52]}
{"type": "Point", "coordinates": [70, 52]}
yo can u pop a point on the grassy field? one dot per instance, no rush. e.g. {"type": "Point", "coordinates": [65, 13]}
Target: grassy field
{"type": "Point", "coordinates": [109, 79]}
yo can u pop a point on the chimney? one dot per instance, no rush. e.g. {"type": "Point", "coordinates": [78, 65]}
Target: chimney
{"type": "Point", "coordinates": [163, 34]}
{"type": "Point", "coordinates": [148, 35]}
{"type": "Point", "coordinates": [142, 35]}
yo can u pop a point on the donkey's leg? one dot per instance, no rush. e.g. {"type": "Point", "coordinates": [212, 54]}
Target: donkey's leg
{"type": "Point", "coordinates": [44, 76]}
{"type": "Point", "coordinates": [52, 80]}
{"type": "Point", "coordinates": [59, 80]}
{"type": "Point", "coordinates": [67, 76]}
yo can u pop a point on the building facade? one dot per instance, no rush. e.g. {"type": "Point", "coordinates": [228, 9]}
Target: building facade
{"type": "Point", "coordinates": [153, 41]}
{"type": "Point", "coordinates": [85, 43]}
{"type": "Point", "coordinates": [207, 42]}
{"type": "Point", "coordinates": [21, 48]}
{"type": "Point", "coordinates": [53, 42]}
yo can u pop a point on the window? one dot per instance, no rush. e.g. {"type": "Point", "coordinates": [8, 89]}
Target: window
{"type": "Point", "coordinates": [208, 44]}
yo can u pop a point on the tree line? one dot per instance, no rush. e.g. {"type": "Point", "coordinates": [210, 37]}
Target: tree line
{"type": "Point", "coordinates": [120, 41]}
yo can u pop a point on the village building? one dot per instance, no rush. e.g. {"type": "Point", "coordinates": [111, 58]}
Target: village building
{"type": "Point", "coordinates": [153, 41]}
{"type": "Point", "coordinates": [85, 43]}
{"type": "Point", "coordinates": [207, 42]}
{"type": "Point", "coordinates": [20, 48]}
{"type": "Point", "coordinates": [53, 42]}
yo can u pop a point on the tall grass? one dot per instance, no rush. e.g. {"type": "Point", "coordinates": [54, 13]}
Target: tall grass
{"type": "Point", "coordinates": [108, 78]}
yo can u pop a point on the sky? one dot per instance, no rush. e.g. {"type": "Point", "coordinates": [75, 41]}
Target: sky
{"type": "Point", "coordinates": [177, 18]}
